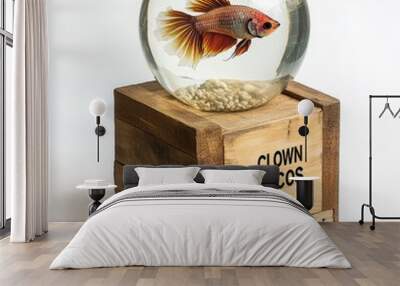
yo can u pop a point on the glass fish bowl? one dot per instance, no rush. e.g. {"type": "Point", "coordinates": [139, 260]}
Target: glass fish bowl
{"type": "Point", "coordinates": [220, 55]}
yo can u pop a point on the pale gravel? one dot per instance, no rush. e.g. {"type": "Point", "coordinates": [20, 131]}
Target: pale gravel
{"type": "Point", "coordinates": [229, 95]}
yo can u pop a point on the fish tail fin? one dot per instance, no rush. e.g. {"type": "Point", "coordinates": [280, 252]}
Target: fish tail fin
{"type": "Point", "coordinates": [186, 42]}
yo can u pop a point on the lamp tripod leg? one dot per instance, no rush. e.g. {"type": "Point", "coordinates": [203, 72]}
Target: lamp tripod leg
{"type": "Point", "coordinates": [98, 137]}
{"type": "Point", "coordinates": [306, 147]}
{"type": "Point", "coordinates": [98, 146]}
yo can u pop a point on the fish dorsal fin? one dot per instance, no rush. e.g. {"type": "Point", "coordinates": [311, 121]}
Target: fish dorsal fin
{"type": "Point", "coordinates": [205, 6]}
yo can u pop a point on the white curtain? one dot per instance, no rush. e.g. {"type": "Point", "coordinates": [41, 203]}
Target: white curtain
{"type": "Point", "coordinates": [27, 122]}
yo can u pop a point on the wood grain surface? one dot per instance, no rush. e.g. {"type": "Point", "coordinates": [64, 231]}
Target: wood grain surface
{"type": "Point", "coordinates": [375, 257]}
{"type": "Point", "coordinates": [133, 144]}
{"type": "Point", "coordinates": [242, 148]}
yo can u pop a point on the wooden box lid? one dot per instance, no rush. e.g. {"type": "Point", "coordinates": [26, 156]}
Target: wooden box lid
{"type": "Point", "coordinates": [283, 106]}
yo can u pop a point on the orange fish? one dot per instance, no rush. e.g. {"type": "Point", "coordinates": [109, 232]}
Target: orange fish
{"type": "Point", "coordinates": [216, 30]}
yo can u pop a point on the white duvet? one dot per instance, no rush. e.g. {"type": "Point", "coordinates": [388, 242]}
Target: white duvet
{"type": "Point", "coordinates": [200, 232]}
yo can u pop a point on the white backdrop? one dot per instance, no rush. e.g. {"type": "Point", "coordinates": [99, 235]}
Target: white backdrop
{"type": "Point", "coordinates": [94, 47]}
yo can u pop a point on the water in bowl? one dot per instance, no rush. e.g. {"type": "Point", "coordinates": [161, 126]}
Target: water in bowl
{"type": "Point", "coordinates": [220, 55]}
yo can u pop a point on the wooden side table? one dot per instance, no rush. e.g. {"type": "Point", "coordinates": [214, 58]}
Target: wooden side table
{"type": "Point", "coordinates": [305, 190]}
{"type": "Point", "coordinates": [96, 193]}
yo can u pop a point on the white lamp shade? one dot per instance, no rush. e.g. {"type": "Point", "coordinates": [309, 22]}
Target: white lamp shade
{"type": "Point", "coordinates": [306, 107]}
{"type": "Point", "coordinates": [97, 107]}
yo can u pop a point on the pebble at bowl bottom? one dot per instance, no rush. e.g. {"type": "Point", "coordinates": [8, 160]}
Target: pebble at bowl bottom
{"type": "Point", "coordinates": [230, 95]}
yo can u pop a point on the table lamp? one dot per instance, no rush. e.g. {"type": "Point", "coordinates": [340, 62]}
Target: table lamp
{"type": "Point", "coordinates": [305, 108]}
{"type": "Point", "coordinates": [98, 108]}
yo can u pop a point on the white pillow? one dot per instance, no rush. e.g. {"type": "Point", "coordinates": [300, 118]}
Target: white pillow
{"type": "Point", "coordinates": [166, 176]}
{"type": "Point", "coordinates": [246, 177]}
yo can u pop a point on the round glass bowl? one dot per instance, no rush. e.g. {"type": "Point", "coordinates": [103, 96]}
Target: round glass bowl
{"type": "Point", "coordinates": [220, 55]}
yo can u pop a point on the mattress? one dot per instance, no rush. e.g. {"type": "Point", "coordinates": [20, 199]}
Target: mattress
{"type": "Point", "coordinates": [201, 225]}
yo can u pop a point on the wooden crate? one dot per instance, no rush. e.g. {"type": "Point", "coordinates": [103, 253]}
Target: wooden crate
{"type": "Point", "coordinates": [152, 127]}
{"type": "Point", "coordinates": [325, 216]}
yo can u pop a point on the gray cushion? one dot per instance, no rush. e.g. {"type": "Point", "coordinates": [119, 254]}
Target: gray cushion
{"type": "Point", "coordinates": [271, 178]}
{"type": "Point", "coordinates": [166, 176]}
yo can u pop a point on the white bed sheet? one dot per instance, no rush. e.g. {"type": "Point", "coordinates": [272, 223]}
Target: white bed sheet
{"type": "Point", "coordinates": [200, 232]}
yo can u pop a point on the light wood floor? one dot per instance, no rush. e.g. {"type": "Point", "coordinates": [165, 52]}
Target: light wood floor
{"type": "Point", "coordinates": [375, 257]}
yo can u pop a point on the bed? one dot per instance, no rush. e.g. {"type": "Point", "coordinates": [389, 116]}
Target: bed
{"type": "Point", "coordinates": [201, 224]}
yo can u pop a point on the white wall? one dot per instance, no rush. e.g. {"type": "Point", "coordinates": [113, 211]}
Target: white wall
{"type": "Point", "coordinates": [354, 52]}
{"type": "Point", "coordinates": [94, 47]}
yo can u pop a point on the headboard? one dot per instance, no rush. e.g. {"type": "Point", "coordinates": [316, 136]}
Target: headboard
{"type": "Point", "coordinates": [271, 178]}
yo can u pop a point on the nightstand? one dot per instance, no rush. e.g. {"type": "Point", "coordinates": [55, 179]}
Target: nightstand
{"type": "Point", "coordinates": [305, 190]}
{"type": "Point", "coordinates": [97, 190]}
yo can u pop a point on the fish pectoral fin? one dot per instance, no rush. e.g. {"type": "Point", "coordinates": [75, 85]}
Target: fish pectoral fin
{"type": "Point", "coordinates": [214, 44]}
{"type": "Point", "coordinates": [204, 6]}
{"type": "Point", "coordinates": [241, 48]}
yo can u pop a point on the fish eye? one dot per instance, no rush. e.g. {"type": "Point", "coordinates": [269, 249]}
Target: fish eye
{"type": "Point", "coordinates": [267, 25]}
